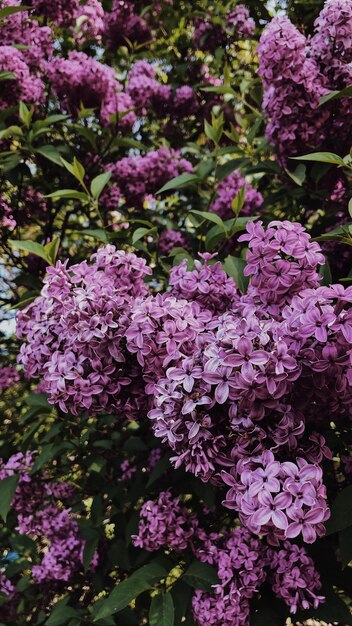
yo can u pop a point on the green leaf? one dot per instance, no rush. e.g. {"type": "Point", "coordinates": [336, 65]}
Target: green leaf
{"type": "Point", "coordinates": [234, 267]}
{"type": "Point", "coordinates": [201, 576]}
{"type": "Point", "coordinates": [179, 182]}
{"type": "Point", "coordinates": [98, 183]}
{"type": "Point", "coordinates": [6, 11]}
{"type": "Point", "coordinates": [325, 272]}
{"type": "Point", "coordinates": [211, 217]}
{"type": "Point", "coordinates": [139, 234]}
{"type": "Point", "coordinates": [50, 153]}
{"type": "Point", "coordinates": [162, 611]}
{"type": "Point", "coordinates": [341, 512]}
{"type": "Point", "coordinates": [212, 132]}
{"type": "Point", "coordinates": [61, 613]}
{"type": "Point", "coordinates": [129, 589]}
{"type": "Point", "coordinates": [30, 246]}
{"type": "Point", "coordinates": [11, 131]}
{"type": "Point", "coordinates": [26, 114]}
{"type": "Point", "coordinates": [230, 166]}
{"type": "Point", "coordinates": [52, 249]}
{"type": "Point", "coordinates": [213, 236]}
{"type": "Point", "coordinates": [321, 157]}
{"type": "Point", "coordinates": [69, 193]}
{"type": "Point", "coordinates": [76, 169]}
{"type": "Point", "coordinates": [336, 95]}
{"type": "Point", "coordinates": [7, 491]}
{"type": "Point", "coordinates": [266, 616]}
{"type": "Point", "coordinates": [159, 470]}
{"type": "Point", "coordinates": [350, 207]}
{"type": "Point", "coordinates": [333, 610]}
{"type": "Point", "coordinates": [96, 233]}
{"type": "Point", "coordinates": [222, 89]}
{"type": "Point", "coordinates": [38, 400]}
{"type": "Point", "coordinates": [345, 543]}
{"type": "Point", "coordinates": [7, 76]}
{"type": "Point", "coordinates": [89, 550]}
{"type": "Point", "coordinates": [238, 201]}
{"type": "Point", "coordinates": [299, 175]}
{"type": "Point", "coordinates": [48, 121]}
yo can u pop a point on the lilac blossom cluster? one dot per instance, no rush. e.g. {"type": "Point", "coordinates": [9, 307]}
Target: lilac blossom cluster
{"type": "Point", "coordinates": [243, 562]}
{"type": "Point", "coordinates": [297, 71]}
{"type": "Point", "coordinates": [226, 192]}
{"type": "Point", "coordinates": [149, 94]}
{"type": "Point", "coordinates": [281, 500]}
{"type": "Point", "coordinates": [23, 30]}
{"type": "Point", "coordinates": [41, 515]}
{"type": "Point", "coordinates": [123, 24]}
{"type": "Point", "coordinates": [206, 284]}
{"type": "Point", "coordinates": [61, 12]}
{"type": "Point", "coordinates": [7, 220]}
{"type": "Point", "coordinates": [170, 239]}
{"type": "Point", "coordinates": [9, 377]}
{"type": "Point", "coordinates": [281, 261]}
{"type": "Point", "coordinates": [80, 80]}
{"type": "Point", "coordinates": [24, 84]}
{"type": "Point", "coordinates": [164, 523]}
{"type": "Point", "coordinates": [236, 385]}
{"type": "Point", "coordinates": [84, 310]}
{"type": "Point", "coordinates": [209, 35]}
{"type": "Point", "coordinates": [140, 176]}
{"type": "Point", "coordinates": [90, 23]}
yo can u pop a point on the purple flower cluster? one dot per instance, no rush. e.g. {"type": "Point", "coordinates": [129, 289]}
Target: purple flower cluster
{"type": "Point", "coordinates": [24, 85]}
{"type": "Point", "coordinates": [75, 331]}
{"type": "Point", "coordinates": [123, 24]}
{"type": "Point", "coordinates": [9, 377]}
{"type": "Point", "coordinates": [139, 176]}
{"type": "Point", "coordinates": [297, 71]}
{"type": "Point", "coordinates": [240, 20]}
{"type": "Point", "coordinates": [145, 90]}
{"type": "Point", "coordinates": [7, 220]}
{"type": "Point", "coordinates": [243, 562]}
{"type": "Point", "coordinates": [80, 80]}
{"type": "Point", "coordinates": [148, 93]}
{"type": "Point", "coordinates": [281, 500]}
{"type": "Point", "coordinates": [228, 189]}
{"type": "Point", "coordinates": [238, 557]}
{"type": "Point", "coordinates": [61, 12]}
{"type": "Point", "coordinates": [42, 516]}
{"type": "Point", "coordinates": [21, 29]}
{"type": "Point", "coordinates": [170, 239]}
{"type": "Point", "coordinates": [236, 385]}
{"type": "Point", "coordinates": [292, 89]}
{"type": "Point", "coordinates": [90, 24]}
{"type": "Point", "coordinates": [162, 330]}
{"type": "Point", "coordinates": [206, 284]}
{"type": "Point", "coordinates": [282, 261]}
{"type": "Point", "coordinates": [293, 577]}
{"type": "Point", "coordinates": [209, 35]}
{"type": "Point", "coordinates": [164, 523]}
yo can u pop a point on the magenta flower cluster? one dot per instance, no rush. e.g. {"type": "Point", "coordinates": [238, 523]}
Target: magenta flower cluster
{"type": "Point", "coordinates": [209, 35]}
{"type": "Point", "coordinates": [148, 93]}
{"type": "Point", "coordinates": [236, 385]}
{"type": "Point", "coordinates": [226, 192]}
{"type": "Point", "coordinates": [81, 80]}
{"type": "Point", "coordinates": [82, 355]}
{"type": "Point", "coordinates": [297, 71]}
{"type": "Point", "coordinates": [242, 561]}
{"type": "Point", "coordinates": [141, 176]}
{"type": "Point", "coordinates": [9, 376]}
{"type": "Point", "coordinates": [42, 516]}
